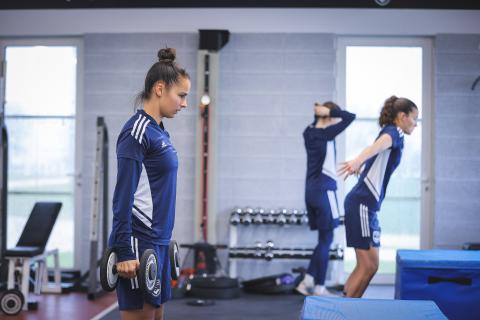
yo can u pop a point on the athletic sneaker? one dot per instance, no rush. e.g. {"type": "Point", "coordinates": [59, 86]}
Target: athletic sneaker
{"type": "Point", "coordinates": [305, 287]}
{"type": "Point", "coordinates": [322, 291]}
{"type": "Point", "coordinates": [302, 288]}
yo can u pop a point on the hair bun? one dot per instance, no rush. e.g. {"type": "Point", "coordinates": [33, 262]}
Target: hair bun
{"type": "Point", "coordinates": [166, 55]}
{"type": "Point", "coordinates": [392, 99]}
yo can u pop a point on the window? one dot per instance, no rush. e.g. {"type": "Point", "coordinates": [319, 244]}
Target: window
{"type": "Point", "coordinates": [40, 110]}
{"type": "Point", "coordinates": [371, 71]}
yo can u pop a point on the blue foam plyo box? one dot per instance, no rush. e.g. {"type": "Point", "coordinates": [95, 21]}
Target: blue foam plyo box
{"type": "Point", "coordinates": [326, 308]}
{"type": "Point", "coordinates": [450, 278]}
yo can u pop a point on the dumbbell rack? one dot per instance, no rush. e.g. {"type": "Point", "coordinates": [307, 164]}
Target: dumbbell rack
{"type": "Point", "coordinates": [285, 240]}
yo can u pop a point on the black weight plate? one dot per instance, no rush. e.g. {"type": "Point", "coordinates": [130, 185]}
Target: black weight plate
{"type": "Point", "coordinates": [214, 293]}
{"type": "Point", "coordinates": [212, 282]}
{"type": "Point", "coordinates": [148, 278]}
{"type": "Point", "coordinates": [173, 253]}
{"type": "Point", "coordinates": [108, 274]}
{"type": "Point", "coordinates": [11, 302]}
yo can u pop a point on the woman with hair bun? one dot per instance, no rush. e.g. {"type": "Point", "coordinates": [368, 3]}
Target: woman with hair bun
{"type": "Point", "coordinates": [379, 160]}
{"type": "Point", "coordinates": [320, 189]}
{"type": "Point", "coordinates": [145, 191]}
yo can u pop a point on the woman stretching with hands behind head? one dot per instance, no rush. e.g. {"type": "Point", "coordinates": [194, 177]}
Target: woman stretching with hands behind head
{"type": "Point", "coordinates": [320, 189]}
{"type": "Point", "coordinates": [145, 192]}
{"type": "Point", "coordinates": [397, 117]}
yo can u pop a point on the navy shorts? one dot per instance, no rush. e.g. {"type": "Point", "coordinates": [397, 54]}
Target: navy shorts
{"type": "Point", "coordinates": [361, 224]}
{"type": "Point", "coordinates": [322, 209]}
{"type": "Point", "coordinates": [130, 296]}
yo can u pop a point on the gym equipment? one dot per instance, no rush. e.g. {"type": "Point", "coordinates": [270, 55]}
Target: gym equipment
{"type": "Point", "coordinates": [303, 220]}
{"type": "Point", "coordinates": [214, 293]}
{"type": "Point", "coordinates": [451, 278]}
{"type": "Point", "coordinates": [258, 211]}
{"type": "Point", "coordinates": [281, 219]}
{"type": "Point", "coordinates": [300, 213]}
{"type": "Point", "coordinates": [205, 257]}
{"type": "Point", "coordinates": [213, 287]}
{"type": "Point", "coordinates": [246, 219]}
{"type": "Point", "coordinates": [350, 309]}
{"type": "Point", "coordinates": [258, 249]}
{"type": "Point", "coordinates": [471, 246]}
{"type": "Point", "coordinates": [3, 182]}
{"type": "Point", "coordinates": [211, 41]}
{"type": "Point", "coordinates": [99, 209]}
{"type": "Point", "coordinates": [149, 281]}
{"type": "Point", "coordinates": [11, 302]}
{"type": "Point", "coordinates": [269, 250]}
{"type": "Point", "coordinates": [30, 250]}
{"type": "Point", "coordinates": [294, 221]}
{"type": "Point", "coordinates": [269, 217]}
{"type": "Point", "coordinates": [3, 177]}
{"type": "Point", "coordinates": [234, 218]}
{"type": "Point", "coordinates": [174, 255]}
{"type": "Point", "coordinates": [211, 282]}
{"type": "Point", "coordinates": [201, 303]}
{"type": "Point", "coordinates": [147, 272]}
{"type": "Point", "coordinates": [280, 283]}
{"type": "Point", "coordinates": [275, 213]}
{"type": "Point", "coordinates": [248, 210]}
{"type": "Point", "coordinates": [258, 219]}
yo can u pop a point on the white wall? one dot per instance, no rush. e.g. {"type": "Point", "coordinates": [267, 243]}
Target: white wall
{"type": "Point", "coordinates": [336, 21]}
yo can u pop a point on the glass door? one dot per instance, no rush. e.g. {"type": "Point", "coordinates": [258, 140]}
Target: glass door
{"type": "Point", "coordinates": [40, 114]}
{"type": "Point", "coordinates": [370, 71]}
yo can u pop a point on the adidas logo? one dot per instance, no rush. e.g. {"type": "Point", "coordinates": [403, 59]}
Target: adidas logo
{"type": "Point", "coordinates": [163, 144]}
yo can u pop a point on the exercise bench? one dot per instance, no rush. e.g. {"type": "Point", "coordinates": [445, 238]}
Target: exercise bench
{"type": "Point", "coordinates": [30, 251]}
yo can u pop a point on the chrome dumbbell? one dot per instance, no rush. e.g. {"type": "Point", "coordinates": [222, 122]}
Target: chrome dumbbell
{"type": "Point", "coordinates": [258, 249]}
{"type": "Point", "coordinates": [234, 218]}
{"type": "Point", "coordinates": [269, 250]}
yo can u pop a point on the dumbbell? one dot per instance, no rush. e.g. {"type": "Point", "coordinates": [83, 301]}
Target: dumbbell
{"type": "Point", "coordinates": [281, 219]}
{"type": "Point", "coordinates": [258, 249]}
{"type": "Point", "coordinates": [266, 216]}
{"type": "Point", "coordinates": [258, 211]}
{"type": "Point", "coordinates": [292, 218]}
{"type": "Point", "coordinates": [246, 219]}
{"type": "Point", "coordinates": [269, 250]}
{"type": "Point", "coordinates": [235, 218]}
{"type": "Point", "coordinates": [147, 272]}
{"type": "Point", "coordinates": [336, 253]}
{"type": "Point", "coordinates": [258, 219]}
{"type": "Point", "coordinates": [11, 302]}
{"type": "Point", "coordinates": [304, 220]}
{"type": "Point", "coordinates": [275, 214]}
{"type": "Point", "coordinates": [174, 255]}
{"type": "Point", "coordinates": [257, 215]}
{"type": "Point", "coordinates": [302, 217]}
{"type": "Point", "coordinates": [247, 211]}
{"type": "Point", "coordinates": [299, 213]}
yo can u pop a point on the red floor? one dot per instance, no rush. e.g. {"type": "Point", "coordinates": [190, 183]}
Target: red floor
{"type": "Point", "coordinates": [71, 306]}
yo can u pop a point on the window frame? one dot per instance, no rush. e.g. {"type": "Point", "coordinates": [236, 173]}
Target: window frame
{"type": "Point", "coordinates": [427, 161]}
{"type": "Point", "coordinates": [78, 219]}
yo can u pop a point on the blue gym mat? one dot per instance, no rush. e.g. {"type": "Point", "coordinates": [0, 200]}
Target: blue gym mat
{"type": "Point", "coordinates": [316, 308]}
